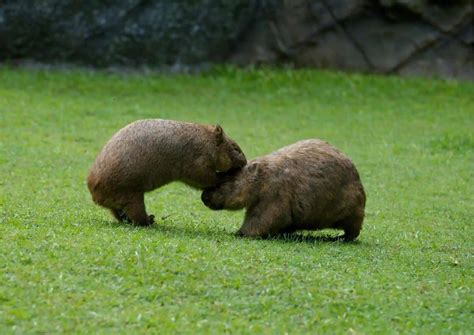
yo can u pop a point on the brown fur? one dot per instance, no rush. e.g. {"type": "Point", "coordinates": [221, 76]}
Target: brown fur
{"type": "Point", "coordinates": [148, 154]}
{"type": "Point", "coordinates": [308, 185]}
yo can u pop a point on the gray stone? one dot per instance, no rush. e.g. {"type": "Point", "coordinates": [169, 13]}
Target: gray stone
{"type": "Point", "coordinates": [332, 50]}
{"type": "Point", "coordinates": [387, 44]}
{"type": "Point", "coordinates": [442, 14]}
{"type": "Point", "coordinates": [123, 31]}
{"type": "Point", "coordinates": [423, 37]}
{"type": "Point", "coordinates": [388, 36]}
{"type": "Point", "coordinates": [447, 59]}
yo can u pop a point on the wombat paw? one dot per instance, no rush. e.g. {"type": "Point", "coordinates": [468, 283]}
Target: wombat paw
{"type": "Point", "coordinates": [239, 233]}
{"type": "Point", "coordinates": [347, 237]}
{"type": "Point", "coordinates": [151, 219]}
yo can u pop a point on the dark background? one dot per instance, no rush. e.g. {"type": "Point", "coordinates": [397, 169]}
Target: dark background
{"type": "Point", "coordinates": [422, 37]}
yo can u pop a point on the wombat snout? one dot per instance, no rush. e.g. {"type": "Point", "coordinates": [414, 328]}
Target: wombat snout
{"type": "Point", "coordinates": [240, 163]}
{"type": "Point", "coordinates": [206, 198]}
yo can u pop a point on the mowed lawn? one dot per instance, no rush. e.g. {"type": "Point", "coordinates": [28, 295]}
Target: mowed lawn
{"type": "Point", "coordinates": [66, 266]}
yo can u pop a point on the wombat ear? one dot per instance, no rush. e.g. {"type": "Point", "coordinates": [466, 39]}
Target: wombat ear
{"type": "Point", "coordinates": [219, 134]}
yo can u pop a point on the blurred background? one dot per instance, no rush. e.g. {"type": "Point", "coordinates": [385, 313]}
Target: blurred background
{"type": "Point", "coordinates": [408, 37]}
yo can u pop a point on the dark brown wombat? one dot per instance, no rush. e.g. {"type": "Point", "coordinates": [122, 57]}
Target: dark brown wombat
{"type": "Point", "coordinates": [308, 185]}
{"type": "Point", "coordinates": [148, 154]}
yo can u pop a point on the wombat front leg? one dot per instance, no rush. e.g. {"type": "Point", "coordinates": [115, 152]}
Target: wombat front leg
{"type": "Point", "coordinates": [263, 221]}
{"type": "Point", "coordinates": [135, 211]}
{"type": "Point", "coordinates": [352, 227]}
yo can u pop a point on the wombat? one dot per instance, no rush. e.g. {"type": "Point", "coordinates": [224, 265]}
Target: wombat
{"type": "Point", "coordinates": [308, 185]}
{"type": "Point", "coordinates": [148, 154]}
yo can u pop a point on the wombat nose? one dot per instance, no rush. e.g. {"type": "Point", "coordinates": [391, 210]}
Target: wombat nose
{"type": "Point", "coordinates": [205, 197]}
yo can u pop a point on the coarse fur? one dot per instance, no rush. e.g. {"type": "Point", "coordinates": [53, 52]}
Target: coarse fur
{"type": "Point", "coordinates": [148, 154]}
{"type": "Point", "coordinates": [308, 185]}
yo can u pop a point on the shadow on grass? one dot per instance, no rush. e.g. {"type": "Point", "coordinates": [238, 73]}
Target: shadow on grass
{"type": "Point", "coordinates": [175, 230]}
{"type": "Point", "coordinates": [310, 238]}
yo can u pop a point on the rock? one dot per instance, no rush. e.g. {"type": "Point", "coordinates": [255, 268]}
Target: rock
{"type": "Point", "coordinates": [387, 45]}
{"type": "Point", "coordinates": [444, 15]}
{"type": "Point", "coordinates": [422, 37]}
{"type": "Point", "coordinates": [128, 32]}
{"type": "Point", "coordinates": [448, 58]}
{"type": "Point", "coordinates": [386, 36]}
{"type": "Point", "coordinates": [332, 50]}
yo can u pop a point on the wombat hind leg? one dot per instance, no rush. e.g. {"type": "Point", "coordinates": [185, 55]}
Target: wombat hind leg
{"type": "Point", "coordinates": [135, 211]}
{"type": "Point", "coordinates": [352, 227]}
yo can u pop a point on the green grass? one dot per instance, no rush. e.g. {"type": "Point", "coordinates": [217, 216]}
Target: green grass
{"type": "Point", "coordinates": [66, 266]}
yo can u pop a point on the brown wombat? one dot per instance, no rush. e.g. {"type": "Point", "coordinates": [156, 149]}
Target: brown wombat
{"type": "Point", "coordinates": [308, 185]}
{"type": "Point", "coordinates": [148, 154]}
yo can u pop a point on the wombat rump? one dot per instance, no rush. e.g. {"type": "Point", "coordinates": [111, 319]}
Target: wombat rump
{"type": "Point", "coordinates": [308, 185]}
{"type": "Point", "coordinates": [148, 154]}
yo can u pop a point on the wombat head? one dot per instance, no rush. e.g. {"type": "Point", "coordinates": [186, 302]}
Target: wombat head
{"type": "Point", "coordinates": [236, 189]}
{"type": "Point", "coordinates": [229, 156]}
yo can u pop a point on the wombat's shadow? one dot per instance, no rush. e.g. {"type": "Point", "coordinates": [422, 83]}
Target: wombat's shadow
{"type": "Point", "coordinates": [307, 238]}
{"type": "Point", "coordinates": [161, 226]}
